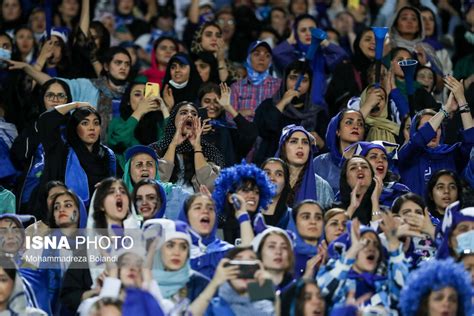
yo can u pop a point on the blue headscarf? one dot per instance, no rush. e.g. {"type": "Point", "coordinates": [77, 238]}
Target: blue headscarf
{"type": "Point", "coordinates": [307, 190]}
{"type": "Point", "coordinates": [211, 243]}
{"type": "Point", "coordinates": [452, 217]}
{"type": "Point", "coordinates": [257, 78]}
{"type": "Point", "coordinates": [170, 282]}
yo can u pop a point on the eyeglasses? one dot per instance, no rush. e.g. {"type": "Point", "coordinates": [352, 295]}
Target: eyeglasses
{"type": "Point", "coordinates": [50, 96]}
{"type": "Point", "coordinates": [228, 22]}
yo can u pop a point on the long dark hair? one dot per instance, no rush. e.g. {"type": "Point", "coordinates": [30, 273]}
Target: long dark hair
{"type": "Point", "coordinates": [147, 129]}
{"type": "Point", "coordinates": [432, 183]}
{"type": "Point", "coordinates": [52, 221]}
{"type": "Point", "coordinates": [100, 194]}
{"type": "Point", "coordinates": [412, 197]}
{"type": "Point", "coordinates": [75, 119]}
{"type": "Point", "coordinates": [364, 211]}
{"type": "Point", "coordinates": [16, 55]}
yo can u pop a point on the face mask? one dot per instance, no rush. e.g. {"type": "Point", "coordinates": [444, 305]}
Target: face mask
{"type": "Point", "coordinates": [469, 36]}
{"type": "Point", "coordinates": [465, 243]}
{"type": "Point", "coordinates": [5, 54]}
{"type": "Point", "coordinates": [178, 85]}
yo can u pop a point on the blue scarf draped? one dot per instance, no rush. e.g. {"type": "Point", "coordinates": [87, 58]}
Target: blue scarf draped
{"type": "Point", "coordinates": [256, 78]}
{"type": "Point", "coordinates": [170, 282]}
{"type": "Point", "coordinates": [365, 282]}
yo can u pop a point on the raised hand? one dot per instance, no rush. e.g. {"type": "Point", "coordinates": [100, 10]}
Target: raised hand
{"type": "Point", "coordinates": [195, 137]}
{"type": "Point", "coordinates": [456, 87]}
{"type": "Point", "coordinates": [225, 272]}
{"type": "Point", "coordinates": [168, 97]}
{"type": "Point", "coordinates": [357, 243]}
{"type": "Point", "coordinates": [356, 199]}
{"type": "Point", "coordinates": [224, 100]}
{"type": "Point", "coordinates": [389, 227]}
{"type": "Point", "coordinates": [178, 137]}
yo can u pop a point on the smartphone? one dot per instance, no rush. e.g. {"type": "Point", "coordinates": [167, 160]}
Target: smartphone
{"type": "Point", "coordinates": [202, 113]}
{"type": "Point", "coordinates": [152, 90]}
{"type": "Point", "coordinates": [259, 293]}
{"type": "Point", "coordinates": [353, 3]}
{"type": "Point", "coordinates": [247, 268]}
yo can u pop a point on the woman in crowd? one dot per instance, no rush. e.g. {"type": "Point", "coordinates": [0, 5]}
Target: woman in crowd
{"type": "Point", "coordinates": [209, 39]}
{"type": "Point", "coordinates": [344, 129]}
{"type": "Point", "coordinates": [424, 154]}
{"type": "Point", "coordinates": [234, 142]}
{"type": "Point", "coordinates": [207, 249]}
{"type": "Point", "coordinates": [335, 224]}
{"type": "Point", "coordinates": [149, 199]}
{"type": "Point", "coordinates": [303, 298]}
{"type": "Point", "coordinates": [142, 120]}
{"type": "Point", "coordinates": [350, 76]}
{"type": "Point", "coordinates": [327, 56]}
{"type": "Point", "coordinates": [407, 29]}
{"type": "Point", "coordinates": [27, 152]}
{"type": "Point", "coordinates": [360, 190]}
{"type": "Point", "coordinates": [415, 219]}
{"type": "Point", "coordinates": [181, 81]}
{"type": "Point", "coordinates": [81, 161]}
{"type": "Point", "coordinates": [187, 159]}
{"type": "Point", "coordinates": [296, 148]}
{"type": "Point", "coordinates": [274, 247]}
{"type": "Point", "coordinates": [25, 48]}
{"type": "Point", "coordinates": [171, 265]}
{"type": "Point", "coordinates": [163, 49]}
{"type": "Point", "coordinates": [277, 213]}
{"type": "Point", "coordinates": [438, 287]}
{"type": "Point", "coordinates": [308, 219]}
{"type": "Point", "coordinates": [253, 191]}
{"type": "Point", "coordinates": [377, 274]}
{"type": "Point", "coordinates": [383, 164]}
{"type": "Point", "coordinates": [206, 65]}
{"type": "Point", "coordinates": [443, 188]}
{"type": "Point", "coordinates": [231, 291]}
{"type": "Point", "coordinates": [110, 207]}
{"type": "Point", "coordinates": [289, 106]}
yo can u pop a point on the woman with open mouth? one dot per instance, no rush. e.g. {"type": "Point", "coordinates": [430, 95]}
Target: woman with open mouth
{"type": "Point", "coordinates": [110, 210]}
{"type": "Point", "coordinates": [443, 188]}
{"type": "Point", "coordinates": [360, 190]}
{"type": "Point", "coordinates": [253, 191]}
{"type": "Point", "coordinates": [358, 261]}
{"type": "Point", "coordinates": [199, 212]}
{"type": "Point", "coordinates": [382, 158]}
{"type": "Point", "coordinates": [296, 148]}
{"type": "Point", "coordinates": [186, 159]}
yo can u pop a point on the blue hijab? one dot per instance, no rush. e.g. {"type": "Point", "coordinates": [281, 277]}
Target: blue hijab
{"type": "Point", "coordinates": [307, 190]}
{"type": "Point", "coordinates": [257, 78]}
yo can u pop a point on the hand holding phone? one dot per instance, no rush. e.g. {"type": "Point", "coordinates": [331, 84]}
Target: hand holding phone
{"type": "Point", "coordinates": [152, 90]}
{"type": "Point", "coordinates": [247, 268]}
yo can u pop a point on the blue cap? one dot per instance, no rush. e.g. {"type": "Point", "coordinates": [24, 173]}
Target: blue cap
{"type": "Point", "coordinates": [140, 149]}
{"type": "Point", "coordinates": [253, 46]}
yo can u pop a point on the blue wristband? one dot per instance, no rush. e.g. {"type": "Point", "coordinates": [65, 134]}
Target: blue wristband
{"type": "Point", "coordinates": [243, 218]}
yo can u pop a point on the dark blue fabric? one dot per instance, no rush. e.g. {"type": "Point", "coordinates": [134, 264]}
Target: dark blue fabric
{"type": "Point", "coordinates": [140, 303]}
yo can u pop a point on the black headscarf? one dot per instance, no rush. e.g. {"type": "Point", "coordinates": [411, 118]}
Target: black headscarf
{"type": "Point", "coordinates": [190, 91]}
{"type": "Point", "coordinates": [307, 115]}
{"type": "Point", "coordinates": [211, 153]}
{"type": "Point", "coordinates": [364, 211]}
{"type": "Point", "coordinates": [359, 60]}
{"type": "Point", "coordinates": [211, 60]}
{"type": "Point", "coordinates": [95, 162]}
